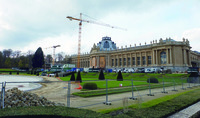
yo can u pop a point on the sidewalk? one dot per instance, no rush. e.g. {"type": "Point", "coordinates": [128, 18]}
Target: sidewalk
{"type": "Point", "coordinates": [187, 112]}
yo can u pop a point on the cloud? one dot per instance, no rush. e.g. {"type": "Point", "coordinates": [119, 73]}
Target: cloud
{"type": "Point", "coordinates": [68, 45]}
{"type": "Point", "coordinates": [42, 23]}
{"type": "Point", "coordinates": [193, 35]}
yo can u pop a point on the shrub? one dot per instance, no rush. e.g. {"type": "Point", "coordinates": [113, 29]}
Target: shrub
{"type": "Point", "coordinates": [17, 73]}
{"type": "Point", "coordinates": [101, 75]}
{"type": "Point", "coordinates": [90, 86]}
{"type": "Point", "coordinates": [78, 78]}
{"type": "Point", "coordinates": [119, 76]}
{"type": "Point", "coordinates": [72, 77]}
{"type": "Point", "coordinates": [168, 71]}
{"type": "Point", "coordinates": [10, 73]}
{"type": "Point", "coordinates": [152, 80]}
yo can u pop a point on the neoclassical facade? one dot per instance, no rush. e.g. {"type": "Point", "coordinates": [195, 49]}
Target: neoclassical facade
{"type": "Point", "coordinates": [167, 54]}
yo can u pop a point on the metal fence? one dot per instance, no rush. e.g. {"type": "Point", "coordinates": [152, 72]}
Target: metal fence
{"type": "Point", "coordinates": [62, 92]}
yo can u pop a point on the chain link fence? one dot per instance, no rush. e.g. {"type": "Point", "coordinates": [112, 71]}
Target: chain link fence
{"type": "Point", "coordinates": [56, 93]}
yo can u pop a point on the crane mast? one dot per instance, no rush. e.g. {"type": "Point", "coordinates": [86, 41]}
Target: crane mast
{"type": "Point", "coordinates": [54, 50]}
{"type": "Point", "coordinates": [79, 41]}
{"type": "Point", "coordinates": [80, 29]}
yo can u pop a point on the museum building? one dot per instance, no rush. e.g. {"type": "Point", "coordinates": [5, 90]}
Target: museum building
{"type": "Point", "coordinates": [166, 54]}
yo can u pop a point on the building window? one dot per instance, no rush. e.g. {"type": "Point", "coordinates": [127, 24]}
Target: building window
{"type": "Point", "coordinates": [112, 62]}
{"type": "Point", "coordinates": [163, 58]}
{"type": "Point", "coordinates": [133, 58]}
{"type": "Point", "coordinates": [138, 60]}
{"type": "Point", "coordinates": [129, 61]}
{"type": "Point", "coordinates": [106, 44]}
{"type": "Point", "coordinates": [124, 61]}
{"type": "Point", "coordinates": [116, 62]}
{"type": "Point", "coordinates": [120, 61]}
{"type": "Point", "coordinates": [149, 60]}
{"type": "Point", "coordinates": [143, 60]}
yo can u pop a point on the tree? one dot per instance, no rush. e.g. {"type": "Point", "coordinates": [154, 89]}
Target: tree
{"type": "Point", "coordinates": [38, 58]}
{"type": "Point", "coordinates": [49, 58]}
{"type": "Point", "coordinates": [30, 56]}
{"type": "Point", "coordinates": [60, 56]}
{"type": "Point", "coordinates": [1, 59]}
{"type": "Point", "coordinates": [8, 62]}
{"type": "Point", "coordinates": [7, 52]}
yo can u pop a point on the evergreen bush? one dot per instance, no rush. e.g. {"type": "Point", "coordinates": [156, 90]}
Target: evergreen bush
{"type": "Point", "coordinates": [10, 73]}
{"type": "Point", "coordinates": [72, 78]}
{"type": "Point", "coordinates": [17, 73]}
{"type": "Point", "coordinates": [119, 76]}
{"type": "Point", "coordinates": [101, 75]}
{"type": "Point", "coordinates": [90, 86]}
{"type": "Point", "coordinates": [152, 80]}
{"type": "Point", "coordinates": [78, 78]}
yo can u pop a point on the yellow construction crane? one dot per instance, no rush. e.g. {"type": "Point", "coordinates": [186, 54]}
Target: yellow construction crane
{"type": "Point", "coordinates": [79, 37]}
{"type": "Point", "coordinates": [54, 50]}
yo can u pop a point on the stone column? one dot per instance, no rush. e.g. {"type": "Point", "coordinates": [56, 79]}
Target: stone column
{"type": "Point", "coordinates": [167, 53]}
{"type": "Point", "coordinates": [141, 59]}
{"type": "Point", "coordinates": [126, 60]}
{"type": "Point", "coordinates": [122, 60]}
{"type": "Point", "coordinates": [146, 59]}
{"type": "Point", "coordinates": [189, 59]}
{"type": "Point", "coordinates": [170, 55]}
{"type": "Point", "coordinates": [136, 64]}
{"type": "Point", "coordinates": [97, 61]}
{"type": "Point", "coordinates": [185, 58]}
{"type": "Point", "coordinates": [114, 61]}
{"type": "Point", "coordinates": [156, 57]}
{"type": "Point", "coordinates": [131, 59]}
{"type": "Point", "coordinates": [118, 60]}
{"type": "Point", "coordinates": [153, 57]}
{"type": "Point", "coordinates": [108, 61]}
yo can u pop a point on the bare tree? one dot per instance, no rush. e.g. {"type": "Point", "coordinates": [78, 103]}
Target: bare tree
{"type": "Point", "coordinates": [7, 52]}
{"type": "Point", "coordinates": [49, 58]}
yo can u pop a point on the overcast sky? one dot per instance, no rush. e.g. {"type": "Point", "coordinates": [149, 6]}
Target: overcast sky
{"type": "Point", "coordinates": [29, 24]}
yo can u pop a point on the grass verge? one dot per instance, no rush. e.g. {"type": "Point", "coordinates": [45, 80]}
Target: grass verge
{"type": "Point", "coordinates": [93, 93]}
{"type": "Point", "coordinates": [168, 105]}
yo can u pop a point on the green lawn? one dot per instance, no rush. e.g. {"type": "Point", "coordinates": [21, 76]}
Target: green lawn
{"type": "Point", "coordinates": [5, 69]}
{"type": "Point", "coordinates": [115, 84]}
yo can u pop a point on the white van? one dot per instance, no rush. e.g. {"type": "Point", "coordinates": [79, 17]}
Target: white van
{"type": "Point", "coordinates": [131, 70]}
{"type": "Point", "coordinates": [148, 70]}
{"type": "Point", "coordinates": [155, 70]}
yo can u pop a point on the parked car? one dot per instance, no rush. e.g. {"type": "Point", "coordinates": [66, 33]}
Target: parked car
{"type": "Point", "coordinates": [125, 71]}
{"type": "Point", "coordinates": [114, 70]}
{"type": "Point", "coordinates": [155, 70]}
{"type": "Point", "coordinates": [149, 70]}
{"type": "Point", "coordinates": [141, 70]}
{"type": "Point", "coordinates": [43, 73]}
{"type": "Point", "coordinates": [131, 70]}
